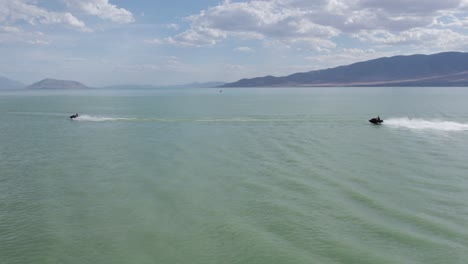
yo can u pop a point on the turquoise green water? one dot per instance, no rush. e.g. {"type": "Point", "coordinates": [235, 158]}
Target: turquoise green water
{"type": "Point", "coordinates": [242, 176]}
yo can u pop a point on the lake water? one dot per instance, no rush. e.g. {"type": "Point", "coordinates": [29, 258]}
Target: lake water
{"type": "Point", "coordinates": [283, 175]}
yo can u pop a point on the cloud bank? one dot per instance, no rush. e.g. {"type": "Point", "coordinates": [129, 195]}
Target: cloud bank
{"type": "Point", "coordinates": [316, 24]}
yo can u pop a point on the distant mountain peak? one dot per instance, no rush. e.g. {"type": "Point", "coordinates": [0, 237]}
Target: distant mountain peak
{"type": "Point", "coordinates": [50, 83]}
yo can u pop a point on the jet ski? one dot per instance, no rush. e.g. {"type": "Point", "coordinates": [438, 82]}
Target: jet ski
{"type": "Point", "coordinates": [376, 120]}
{"type": "Point", "coordinates": [74, 116]}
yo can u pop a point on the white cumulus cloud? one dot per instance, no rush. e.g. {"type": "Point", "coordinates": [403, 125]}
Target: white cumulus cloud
{"type": "Point", "coordinates": [255, 20]}
{"type": "Point", "coordinates": [244, 49]}
{"type": "Point", "coordinates": [102, 9]}
{"type": "Point", "coordinates": [440, 39]}
{"type": "Point", "coordinates": [17, 35]}
{"type": "Point", "coordinates": [20, 10]}
{"type": "Point", "coordinates": [9, 29]}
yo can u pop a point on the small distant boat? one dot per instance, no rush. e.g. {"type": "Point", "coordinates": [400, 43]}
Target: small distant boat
{"type": "Point", "coordinates": [74, 116]}
{"type": "Point", "coordinates": [376, 120]}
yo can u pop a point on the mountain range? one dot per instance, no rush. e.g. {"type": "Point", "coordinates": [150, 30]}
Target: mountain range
{"type": "Point", "coordinates": [442, 69]}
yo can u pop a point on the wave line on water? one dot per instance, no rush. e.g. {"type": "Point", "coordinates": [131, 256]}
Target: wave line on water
{"type": "Point", "coordinates": [93, 118]}
{"type": "Point", "coordinates": [422, 124]}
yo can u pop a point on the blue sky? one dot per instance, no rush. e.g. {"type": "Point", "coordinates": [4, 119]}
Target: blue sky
{"type": "Point", "coordinates": [107, 42]}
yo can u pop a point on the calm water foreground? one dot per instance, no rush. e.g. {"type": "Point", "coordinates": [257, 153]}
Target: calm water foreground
{"type": "Point", "coordinates": [238, 176]}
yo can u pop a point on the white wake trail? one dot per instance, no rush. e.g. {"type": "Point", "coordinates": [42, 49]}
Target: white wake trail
{"type": "Point", "coordinates": [421, 124]}
{"type": "Point", "coordinates": [99, 118]}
